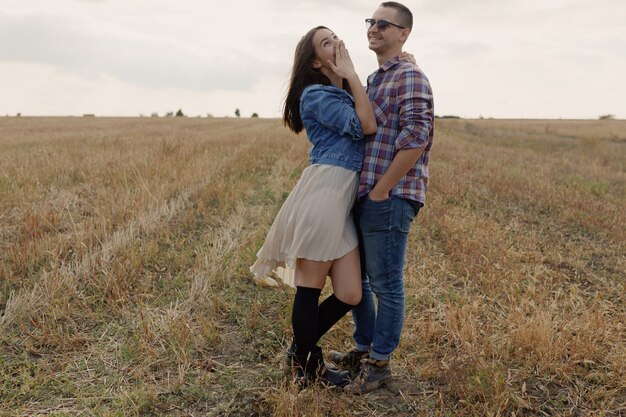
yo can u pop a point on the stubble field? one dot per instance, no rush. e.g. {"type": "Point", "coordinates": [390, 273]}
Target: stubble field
{"type": "Point", "coordinates": [124, 284]}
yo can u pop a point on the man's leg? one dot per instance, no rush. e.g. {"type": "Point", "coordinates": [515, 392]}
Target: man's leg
{"type": "Point", "coordinates": [386, 274]}
{"type": "Point", "coordinates": [385, 227]}
{"type": "Point", "coordinates": [364, 314]}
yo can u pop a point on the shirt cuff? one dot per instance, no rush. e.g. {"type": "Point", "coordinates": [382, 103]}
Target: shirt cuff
{"type": "Point", "coordinates": [353, 128]}
{"type": "Point", "coordinates": [411, 141]}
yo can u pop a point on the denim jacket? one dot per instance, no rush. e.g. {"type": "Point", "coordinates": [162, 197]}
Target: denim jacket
{"type": "Point", "coordinates": [332, 126]}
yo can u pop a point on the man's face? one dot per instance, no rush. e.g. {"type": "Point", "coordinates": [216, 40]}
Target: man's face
{"type": "Point", "coordinates": [391, 37]}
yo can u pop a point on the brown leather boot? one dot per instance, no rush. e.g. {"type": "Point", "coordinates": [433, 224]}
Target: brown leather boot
{"type": "Point", "coordinates": [350, 361]}
{"type": "Point", "coordinates": [373, 375]}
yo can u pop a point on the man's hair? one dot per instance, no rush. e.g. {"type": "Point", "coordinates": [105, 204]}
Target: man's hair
{"type": "Point", "coordinates": [405, 15]}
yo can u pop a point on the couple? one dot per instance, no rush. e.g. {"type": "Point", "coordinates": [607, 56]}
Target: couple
{"type": "Point", "coordinates": [348, 217]}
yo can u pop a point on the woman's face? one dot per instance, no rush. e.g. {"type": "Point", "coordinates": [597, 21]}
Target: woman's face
{"type": "Point", "coordinates": [324, 42]}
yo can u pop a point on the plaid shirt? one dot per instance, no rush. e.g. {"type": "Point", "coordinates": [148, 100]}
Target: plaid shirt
{"type": "Point", "coordinates": [403, 105]}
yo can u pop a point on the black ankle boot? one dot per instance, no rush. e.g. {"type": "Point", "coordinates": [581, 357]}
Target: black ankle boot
{"type": "Point", "coordinates": [311, 369]}
{"type": "Point", "coordinates": [290, 358]}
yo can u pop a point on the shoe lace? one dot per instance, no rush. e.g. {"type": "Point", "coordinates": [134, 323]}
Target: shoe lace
{"type": "Point", "coordinates": [363, 374]}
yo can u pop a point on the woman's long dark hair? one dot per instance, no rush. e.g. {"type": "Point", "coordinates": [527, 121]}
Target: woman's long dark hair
{"type": "Point", "coordinates": [302, 76]}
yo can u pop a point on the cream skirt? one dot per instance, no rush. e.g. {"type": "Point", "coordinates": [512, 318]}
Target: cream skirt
{"type": "Point", "coordinates": [315, 223]}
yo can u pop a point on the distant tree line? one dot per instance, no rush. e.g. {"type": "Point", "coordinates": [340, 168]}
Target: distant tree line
{"type": "Point", "coordinates": [180, 113]}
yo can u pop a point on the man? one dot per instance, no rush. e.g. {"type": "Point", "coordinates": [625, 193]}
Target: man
{"type": "Point", "coordinates": [392, 189]}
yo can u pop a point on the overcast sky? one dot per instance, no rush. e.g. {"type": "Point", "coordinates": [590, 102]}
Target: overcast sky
{"type": "Point", "coordinates": [490, 58]}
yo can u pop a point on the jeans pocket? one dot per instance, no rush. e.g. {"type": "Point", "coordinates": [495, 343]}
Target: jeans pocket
{"type": "Point", "coordinates": [369, 200]}
{"type": "Point", "coordinates": [376, 215]}
{"type": "Point", "coordinates": [410, 209]}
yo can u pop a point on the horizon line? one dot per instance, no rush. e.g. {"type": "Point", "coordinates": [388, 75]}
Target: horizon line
{"type": "Point", "coordinates": [141, 116]}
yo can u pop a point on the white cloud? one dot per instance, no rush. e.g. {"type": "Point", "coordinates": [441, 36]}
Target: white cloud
{"type": "Point", "coordinates": [553, 58]}
{"type": "Point", "coordinates": [141, 60]}
{"type": "Point", "coordinates": [59, 93]}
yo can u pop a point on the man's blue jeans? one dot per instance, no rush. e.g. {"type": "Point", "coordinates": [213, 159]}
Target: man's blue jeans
{"type": "Point", "coordinates": [383, 229]}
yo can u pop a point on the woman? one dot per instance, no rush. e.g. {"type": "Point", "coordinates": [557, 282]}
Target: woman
{"type": "Point", "coordinates": [313, 232]}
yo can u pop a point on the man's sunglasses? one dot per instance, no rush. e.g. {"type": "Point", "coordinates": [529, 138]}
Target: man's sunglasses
{"type": "Point", "coordinates": [382, 24]}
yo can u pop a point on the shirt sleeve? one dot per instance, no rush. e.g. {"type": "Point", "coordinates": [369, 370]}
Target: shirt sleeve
{"type": "Point", "coordinates": [331, 109]}
{"type": "Point", "coordinates": [415, 100]}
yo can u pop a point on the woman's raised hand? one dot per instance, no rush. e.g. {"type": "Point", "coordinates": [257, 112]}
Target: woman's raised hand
{"type": "Point", "coordinates": [343, 65]}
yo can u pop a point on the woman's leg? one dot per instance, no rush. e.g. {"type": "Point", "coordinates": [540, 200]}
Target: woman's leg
{"type": "Point", "coordinates": [312, 274]}
{"type": "Point", "coordinates": [310, 279]}
{"type": "Point", "coordinates": [308, 357]}
{"type": "Point", "coordinates": [345, 274]}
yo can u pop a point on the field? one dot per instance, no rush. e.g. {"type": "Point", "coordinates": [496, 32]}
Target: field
{"type": "Point", "coordinates": [124, 286]}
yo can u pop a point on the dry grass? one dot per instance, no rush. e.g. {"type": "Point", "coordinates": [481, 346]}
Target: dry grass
{"type": "Point", "coordinates": [124, 291]}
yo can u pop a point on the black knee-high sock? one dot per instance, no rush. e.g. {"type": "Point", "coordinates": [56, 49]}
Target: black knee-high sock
{"type": "Point", "coordinates": [330, 312]}
{"type": "Point", "coordinates": [304, 318]}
